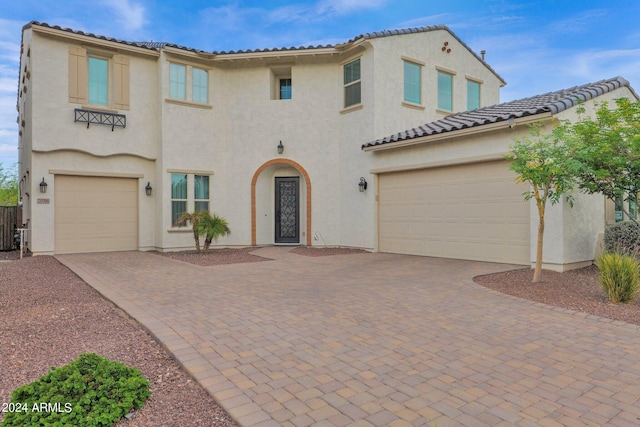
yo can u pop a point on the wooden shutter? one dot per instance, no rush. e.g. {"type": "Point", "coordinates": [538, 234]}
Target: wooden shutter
{"type": "Point", "coordinates": [609, 211]}
{"type": "Point", "coordinates": [121, 82]}
{"type": "Point", "coordinates": [78, 75]}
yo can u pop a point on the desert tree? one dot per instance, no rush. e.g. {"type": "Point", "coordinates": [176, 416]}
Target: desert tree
{"type": "Point", "coordinates": [545, 162]}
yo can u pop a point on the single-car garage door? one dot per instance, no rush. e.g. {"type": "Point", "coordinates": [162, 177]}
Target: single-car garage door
{"type": "Point", "coordinates": [473, 211]}
{"type": "Point", "coordinates": [95, 214]}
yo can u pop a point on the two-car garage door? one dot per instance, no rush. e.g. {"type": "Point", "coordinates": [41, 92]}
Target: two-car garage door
{"type": "Point", "coordinates": [95, 214]}
{"type": "Point", "coordinates": [473, 211]}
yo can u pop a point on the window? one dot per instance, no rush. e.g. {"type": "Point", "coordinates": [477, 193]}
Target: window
{"type": "Point", "coordinates": [352, 91]}
{"type": "Point", "coordinates": [178, 197]}
{"type": "Point", "coordinates": [281, 83]}
{"type": "Point", "coordinates": [98, 81]}
{"type": "Point", "coordinates": [632, 208]}
{"type": "Point", "coordinates": [177, 81]}
{"type": "Point", "coordinates": [200, 85]}
{"type": "Point", "coordinates": [201, 192]}
{"type": "Point", "coordinates": [445, 91]}
{"type": "Point", "coordinates": [473, 95]}
{"type": "Point", "coordinates": [412, 82]}
{"type": "Point", "coordinates": [285, 88]}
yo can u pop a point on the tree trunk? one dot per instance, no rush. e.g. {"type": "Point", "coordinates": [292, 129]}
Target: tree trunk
{"type": "Point", "coordinates": [537, 273]}
{"type": "Point", "coordinates": [541, 203]}
{"type": "Point", "coordinates": [197, 239]}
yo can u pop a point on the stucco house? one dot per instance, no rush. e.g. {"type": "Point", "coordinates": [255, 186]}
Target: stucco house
{"type": "Point", "coordinates": [118, 138]}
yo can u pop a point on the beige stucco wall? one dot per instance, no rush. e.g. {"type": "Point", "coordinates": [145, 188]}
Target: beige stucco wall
{"type": "Point", "coordinates": [60, 145]}
{"type": "Point", "coordinates": [571, 234]}
{"type": "Point", "coordinates": [238, 132]}
{"type": "Point", "coordinates": [392, 114]}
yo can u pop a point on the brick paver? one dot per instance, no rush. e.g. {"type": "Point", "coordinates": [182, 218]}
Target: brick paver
{"type": "Point", "coordinates": [374, 339]}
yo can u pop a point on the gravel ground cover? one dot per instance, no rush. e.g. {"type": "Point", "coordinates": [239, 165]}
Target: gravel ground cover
{"type": "Point", "coordinates": [214, 256]}
{"type": "Point", "coordinates": [577, 290]}
{"type": "Point", "coordinates": [48, 316]}
{"type": "Point", "coordinates": [315, 251]}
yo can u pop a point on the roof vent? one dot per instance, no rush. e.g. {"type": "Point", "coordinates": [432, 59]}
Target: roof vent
{"type": "Point", "coordinates": [483, 52]}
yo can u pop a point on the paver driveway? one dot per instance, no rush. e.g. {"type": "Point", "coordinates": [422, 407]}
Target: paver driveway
{"type": "Point", "coordinates": [375, 339]}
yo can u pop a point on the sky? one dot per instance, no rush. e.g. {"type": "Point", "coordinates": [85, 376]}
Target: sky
{"type": "Point", "coordinates": [536, 46]}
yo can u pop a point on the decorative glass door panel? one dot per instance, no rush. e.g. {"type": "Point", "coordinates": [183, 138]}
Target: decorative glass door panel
{"type": "Point", "coordinates": [287, 210]}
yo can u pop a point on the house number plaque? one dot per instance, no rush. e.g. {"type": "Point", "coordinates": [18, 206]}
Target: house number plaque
{"type": "Point", "coordinates": [43, 201]}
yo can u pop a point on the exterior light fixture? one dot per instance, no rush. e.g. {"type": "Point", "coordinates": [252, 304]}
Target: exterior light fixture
{"type": "Point", "coordinates": [512, 122]}
{"type": "Point", "coordinates": [43, 186]}
{"type": "Point", "coordinates": [147, 188]}
{"type": "Point", "coordinates": [280, 148]}
{"type": "Point", "coordinates": [362, 184]}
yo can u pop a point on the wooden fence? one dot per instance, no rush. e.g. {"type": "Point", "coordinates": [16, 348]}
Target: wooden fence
{"type": "Point", "coordinates": [8, 224]}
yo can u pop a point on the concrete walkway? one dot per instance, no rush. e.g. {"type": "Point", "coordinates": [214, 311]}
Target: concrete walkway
{"type": "Point", "coordinates": [375, 340]}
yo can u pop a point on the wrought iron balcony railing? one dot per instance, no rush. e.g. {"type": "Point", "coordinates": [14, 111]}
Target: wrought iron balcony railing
{"type": "Point", "coordinates": [100, 118]}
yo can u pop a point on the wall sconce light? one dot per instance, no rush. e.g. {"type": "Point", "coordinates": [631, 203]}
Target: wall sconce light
{"type": "Point", "coordinates": [280, 148]}
{"type": "Point", "coordinates": [362, 184]}
{"type": "Point", "coordinates": [512, 122]}
{"type": "Point", "coordinates": [148, 189]}
{"type": "Point", "coordinates": [43, 186]}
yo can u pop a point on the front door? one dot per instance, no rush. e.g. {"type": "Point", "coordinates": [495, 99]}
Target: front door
{"type": "Point", "coordinates": [287, 210]}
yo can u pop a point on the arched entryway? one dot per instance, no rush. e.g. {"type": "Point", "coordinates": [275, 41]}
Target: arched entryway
{"type": "Point", "coordinates": [307, 196]}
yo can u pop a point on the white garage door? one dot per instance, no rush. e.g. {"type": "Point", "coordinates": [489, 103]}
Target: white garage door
{"type": "Point", "coordinates": [473, 211]}
{"type": "Point", "coordinates": [95, 214]}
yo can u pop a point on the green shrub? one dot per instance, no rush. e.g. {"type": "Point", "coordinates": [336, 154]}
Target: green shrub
{"type": "Point", "coordinates": [622, 236]}
{"type": "Point", "coordinates": [619, 276]}
{"type": "Point", "coordinates": [90, 391]}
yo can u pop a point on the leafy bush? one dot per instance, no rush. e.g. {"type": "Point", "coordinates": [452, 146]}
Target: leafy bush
{"type": "Point", "coordinates": [90, 391]}
{"type": "Point", "coordinates": [619, 276]}
{"type": "Point", "coordinates": [622, 237]}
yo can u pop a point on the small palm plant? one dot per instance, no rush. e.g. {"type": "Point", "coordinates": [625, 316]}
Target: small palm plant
{"type": "Point", "coordinates": [194, 218]}
{"type": "Point", "coordinates": [212, 227]}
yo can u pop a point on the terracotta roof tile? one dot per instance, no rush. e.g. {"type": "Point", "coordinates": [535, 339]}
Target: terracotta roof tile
{"type": "Point", "coordinates": [552, 102]}
{"type": "Point", "coordinates": [160, 45]}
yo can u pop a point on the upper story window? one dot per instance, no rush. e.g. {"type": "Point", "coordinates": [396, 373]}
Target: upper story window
{"type": "Point", "coordinates": [177, 81]}
{"type": "Point", "coordinates": [352, 83]}
{"type": "Point", "coordinates": [473, 95]}
{"type": "Point", "coordinates": [285, 88]}
{"type": "Point", "coordinates": [99, 80]}
{"type": "Point", "coordinates": [200, 85]}
{"type": "Point", "coordinates": [445, 91]}
{"type": "Point", "coordinates": [188, 83]}
{"type": "Point", "coordinates": [412, 82]}
{"type": "Point", "coordinates": [281, 83]}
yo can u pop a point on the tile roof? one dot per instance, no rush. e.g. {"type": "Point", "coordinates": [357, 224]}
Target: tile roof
{"type": "Point", "coordinates": [366, 36]}
{"type": "Point", "coordinates": [552, 102]}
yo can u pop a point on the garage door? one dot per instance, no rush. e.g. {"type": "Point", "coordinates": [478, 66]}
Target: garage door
{"type": "Point", "coordinates": [95, 214]}
{"type": "Point", "coordinates": [473, 211]}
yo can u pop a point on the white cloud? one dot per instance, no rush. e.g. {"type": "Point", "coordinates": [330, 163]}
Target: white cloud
{"type": "Point", "coordinates": [9, 84]}
{"type": "Point", "coordinates": [230, 17]}
{"type": "Point", "coordinates": [579, 23]}
{"type": "Point", "coordinates": [426, 20]}
{"type": "Point", "coordinates": [346, 7]}
{"type": "Point", "coordinates": [9, 29]}
{"type": "Point", "coordinates": [8, 152]}
{"type": "Point", "coordinates": [131, 15]}
{"type": "Point", "coordinates": [322, 10]}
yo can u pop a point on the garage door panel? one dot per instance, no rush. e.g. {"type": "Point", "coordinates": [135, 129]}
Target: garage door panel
{"type": "Point", "coordinates": [469, 211]}
{"type": "Point", "coordinates": [95, 214]}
